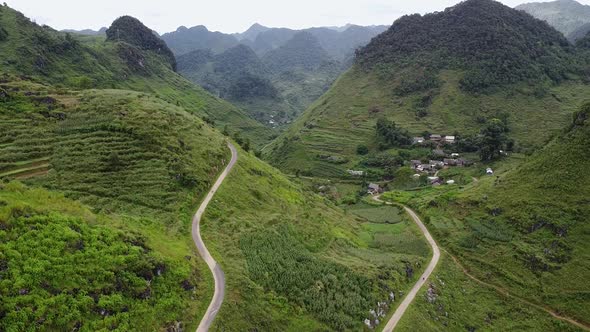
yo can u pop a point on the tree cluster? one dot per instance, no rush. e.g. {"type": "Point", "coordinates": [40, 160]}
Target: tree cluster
{"type": "Point", "coordinates": [391, 135]}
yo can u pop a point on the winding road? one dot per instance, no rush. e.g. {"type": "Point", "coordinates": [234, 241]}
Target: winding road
{"type": "Point", "coordinates": [218, 275]}
{"type": "Point", "coordinates": [399, 312]}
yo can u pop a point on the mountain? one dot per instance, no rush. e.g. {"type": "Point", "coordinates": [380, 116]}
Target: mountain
{"type": "Point", "coordinates": [303, 51]}
{"type": "Point", "coordinates": [88, 32]}
{"type": "Point", "coordinates": [252, 33]}
{"type": "Point", "coordinates": [564, 15]}
{"type": "Point", "coordinates": [274, 89]}
{"type": "Point", "coordinates": [185, 40]}
{"type": "Point", "coordinates": [445, 73]}
{"type": "Point", "coordinates": [133, 32]}
{"type": "Point", "coordinates": [579, 33]}
{"type": "Point", "coordinates": [237, 75]}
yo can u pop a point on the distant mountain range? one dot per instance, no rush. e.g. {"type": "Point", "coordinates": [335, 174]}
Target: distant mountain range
{"type": "Point", "coordinates": [339, 42]}
{"type": "Point", "coordinates": [272, 73]}
{"type": "Point", "coordinates": [274, 88]}
{"type": "Point", "coordinates": [568, 16]}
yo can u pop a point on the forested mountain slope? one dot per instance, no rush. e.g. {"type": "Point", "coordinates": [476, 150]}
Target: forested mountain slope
{"type": "Point", "coordinates": [444, 73]}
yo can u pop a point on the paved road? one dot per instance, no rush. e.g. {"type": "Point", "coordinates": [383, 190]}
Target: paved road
{"type": "Point", "coordinates": [218, 275]}
{"type": "Point", "coordinates": [399, 312]}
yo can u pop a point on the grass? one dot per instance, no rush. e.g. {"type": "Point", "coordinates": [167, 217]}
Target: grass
{"type": "Point", "coordinates": [458, 303]}
{"type": "Point", "coordinates": [285, 252]}
{"type": "Point", "coordinates": [345, 117]}
{"type": "Point", "coordinates": [522, 230]}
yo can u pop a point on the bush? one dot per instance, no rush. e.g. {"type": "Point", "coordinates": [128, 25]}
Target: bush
{"type": "Point", "coordinates": [362, 150]}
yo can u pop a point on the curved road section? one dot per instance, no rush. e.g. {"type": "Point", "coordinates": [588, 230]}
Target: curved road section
{"type": "Point", "coordinates": [399, 312]}
{"type": "Point", "coordinates": [218, 275]}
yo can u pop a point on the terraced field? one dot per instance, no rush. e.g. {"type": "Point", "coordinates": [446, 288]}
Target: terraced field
{"type": "Point", "coordinates": [113, 150]}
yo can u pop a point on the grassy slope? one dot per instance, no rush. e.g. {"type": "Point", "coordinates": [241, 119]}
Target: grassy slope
{"type": "Point", "coordinates": [291, 257]}
{"type": "Point", "coordinates": [526, 230]}
{"type": "Point", "coordinates": [59, 263]}
{"type": "Point", "coordinates": [141, 161]}
{"type": "Point", "coordinates": [342, 119]}
{"type": "Point", "coordinates": [47, 56]}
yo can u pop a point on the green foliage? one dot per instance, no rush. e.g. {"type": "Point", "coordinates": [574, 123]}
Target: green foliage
{"type": "Point", "coordinates": [335, 294]}
{"type": "Point", "coordinates": [493, 140]}
{"type": "Point", "coordinates": [362, 150]}
{"type": "Point", "coordinates": [60, 269]}
{"type": "Point", "coordinates": [494, 44]}
{"type": "Point", "coordinates": [391, 134]}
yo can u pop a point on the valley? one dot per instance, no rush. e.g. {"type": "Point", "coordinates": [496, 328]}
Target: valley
{"type": "Point", "coordinates": [429, 175]}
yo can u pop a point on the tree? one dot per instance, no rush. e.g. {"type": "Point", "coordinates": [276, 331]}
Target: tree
{"type": "Point", "coordinates": [493, 139]}
{"type": "Point", "coordinates": [362, 150]}
{"type": "Point", "coordinates": [391, 134]}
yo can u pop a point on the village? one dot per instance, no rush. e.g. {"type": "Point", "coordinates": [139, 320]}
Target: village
{"type": "Point", "coordinates": [440, 159]}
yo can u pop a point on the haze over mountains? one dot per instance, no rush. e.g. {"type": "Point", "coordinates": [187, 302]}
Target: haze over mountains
{"type": "Point", "coordinates": [568, 16]}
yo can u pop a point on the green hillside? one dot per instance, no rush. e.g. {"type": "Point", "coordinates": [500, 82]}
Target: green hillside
{"type": "Point", "coordinates": [524, 231]}
{"type": "Point", "coordinates": [294, 261]}
{"type": "Point", "coordinates": [125, 61]}
{"type": "Point", "coordinates": [452, 84]}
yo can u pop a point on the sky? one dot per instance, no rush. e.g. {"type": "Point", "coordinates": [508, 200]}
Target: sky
{"type": "Point", "coordinates": [227, 15]}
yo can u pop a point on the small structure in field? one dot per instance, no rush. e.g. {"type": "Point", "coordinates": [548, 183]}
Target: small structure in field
{"type": "Point", "coordinates": [435, 138]}
{"type": "Point", "coordinates": [489, 171]}
{"type": "Point", "coordinates": [455, 155]}
{"type": "Point", "coordinates": [437, 164]}
{"type": "Point", "coordinates": [450, 139]}
{"type": "Point", "coordinates": [418, 140]}
{"type": "Point", "coordinates": [355, 173]}
{"type": "Point", "coordinates": [374, 189]}
{"type": "Point", "coordinates": [450, 182]}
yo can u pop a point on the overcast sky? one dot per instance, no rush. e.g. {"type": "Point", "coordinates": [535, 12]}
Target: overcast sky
{"type": "Point", "coordinates": [226, 15]}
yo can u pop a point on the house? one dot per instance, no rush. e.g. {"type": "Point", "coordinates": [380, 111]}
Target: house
{"type": "Point", "coordinates": [455, 155]}
{"type": "Point", "coordinates": [415, 163]}
{"type": "Point", "coordinates": [489, 171]}
{"type": "Point", "coordinates": [374, 189]}
{"type": "Point", "coordinates": [464, 162]}
{"type": "Point", "coordinates": [437, 164]}
{"type": "Point", "coordinates": [355, 173]}
{"type": "Point", "coordinates": [426, 167]}
{"type": "Point", "coordinates": [433, 179]}
{"type": "Point", "coordinates": [450, 162]}
{"type": "Point", "coordinates": [418, 140]}
{"type": "Point", "coordinates": [435, 137]}
{"type": "Point", "coordinates": [450, 139]}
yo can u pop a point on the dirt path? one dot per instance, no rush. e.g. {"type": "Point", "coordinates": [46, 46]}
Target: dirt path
{"type": "Point", "coordinates": [525, 301]}
{"type": "Point", "coordinates": [399, 312]}
{"type": "Point", "coordinates": [218, 275]}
